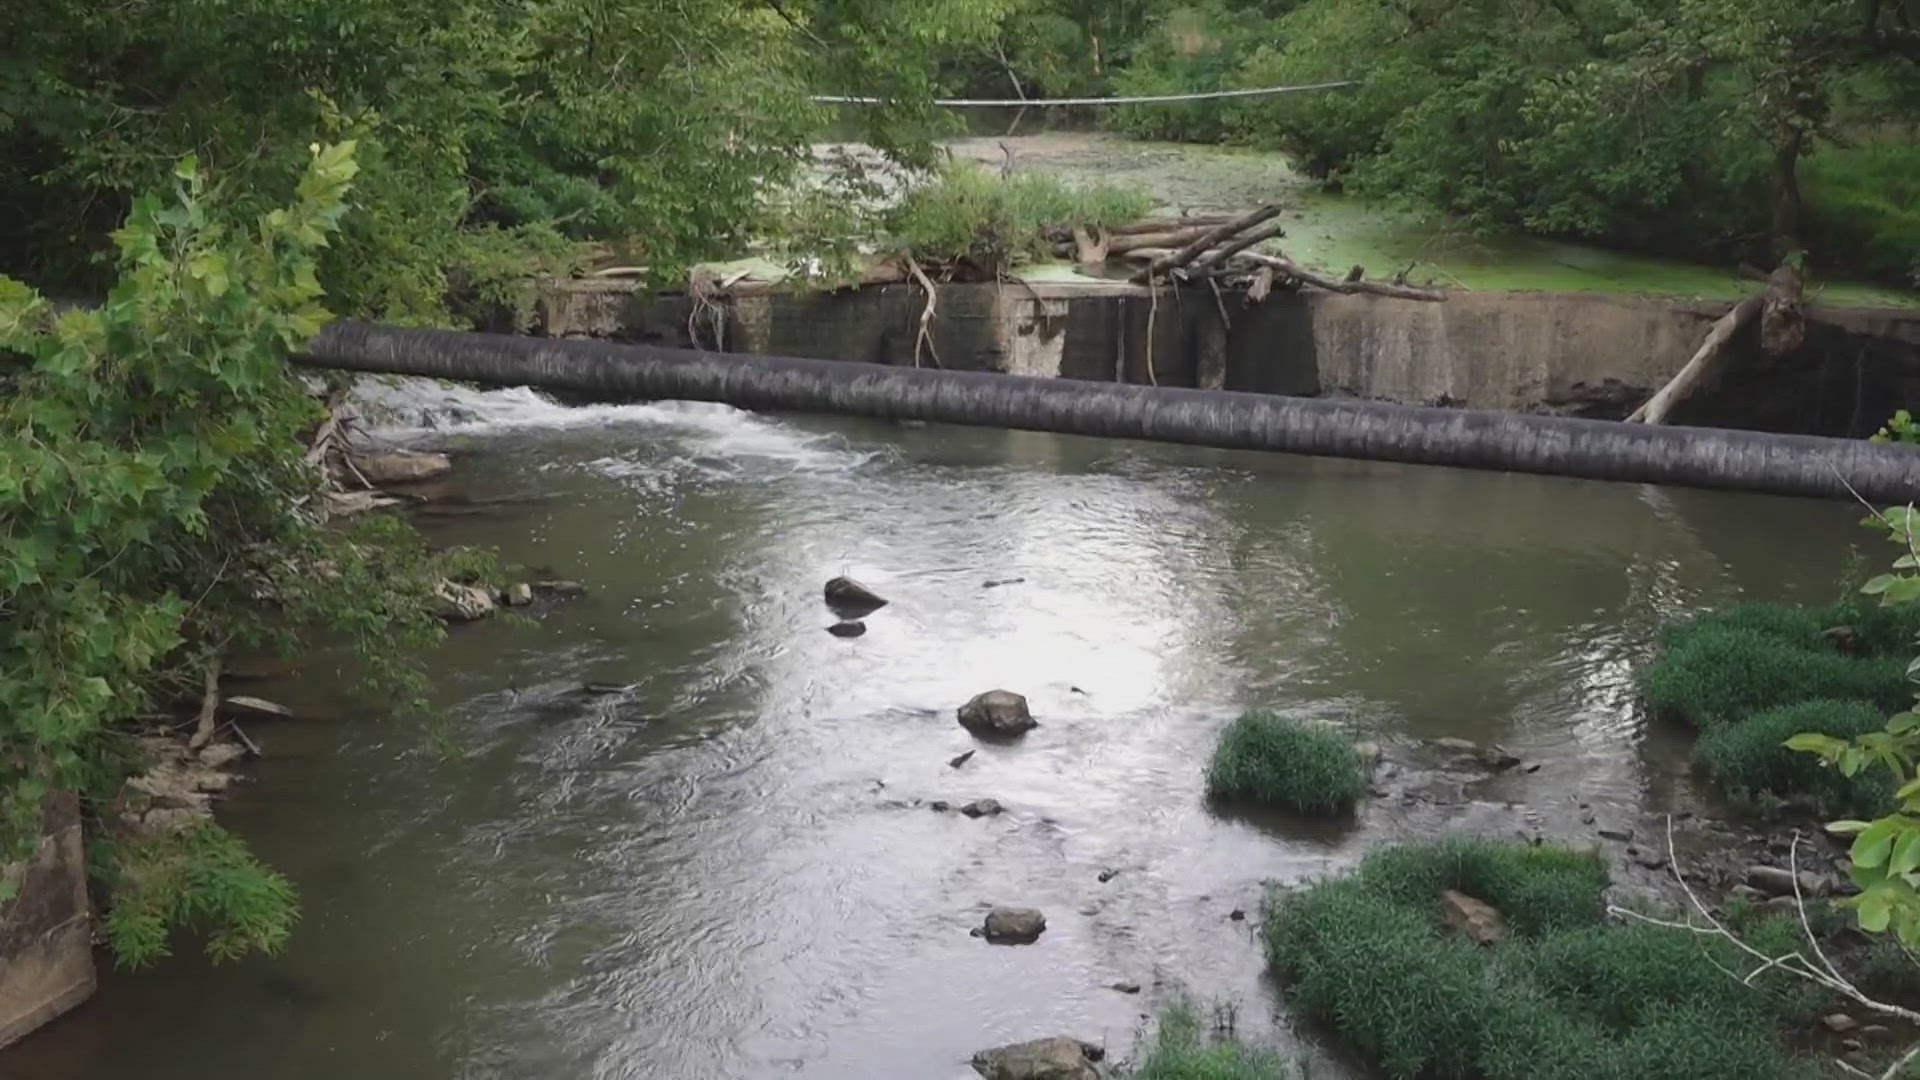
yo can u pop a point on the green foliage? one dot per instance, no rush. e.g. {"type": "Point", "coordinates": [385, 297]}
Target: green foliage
{"type": "Point", "coordinates": [1568, 997]}
{"type": "Point", "coordinates": [969, 216]}
{"type": "Point", "coordinates": [1285, 762]}
{"type": "Point", "coordinates": [204, 879]}
{"type": "Point", "coordinates": [1750, 757]}
{"type": "Point", "coordinates": [154, 507]}
{"type": "Point", "coordinates": [1900, 428]}
{"type": "Point", "coordinates": [1885, 854]}
{"type": "Point", "coordinates": [1864, 204]}
{"type": "Point", "coordinates": [1183, 1049]}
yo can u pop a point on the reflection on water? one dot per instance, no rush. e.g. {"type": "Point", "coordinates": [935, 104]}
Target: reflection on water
{"type": "Point", "coordinates": [725, 870]}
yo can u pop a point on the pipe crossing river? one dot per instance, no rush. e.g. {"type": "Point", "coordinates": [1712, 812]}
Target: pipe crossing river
{"type": "Point", "coordinates": [1563, 446]}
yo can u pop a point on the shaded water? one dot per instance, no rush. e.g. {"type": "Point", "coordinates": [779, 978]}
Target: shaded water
{"type": "Point", "coordinates": [722, 871]}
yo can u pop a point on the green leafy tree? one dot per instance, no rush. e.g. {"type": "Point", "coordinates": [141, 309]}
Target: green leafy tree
{"type": "Point", "coordinates": [157, 509]}
{"type": "Point", "coordinates": [1885, 853]}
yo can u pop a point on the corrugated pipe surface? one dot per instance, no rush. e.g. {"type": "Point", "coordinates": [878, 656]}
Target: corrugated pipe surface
{"type": "Point", "coordinates": [1560, 446]}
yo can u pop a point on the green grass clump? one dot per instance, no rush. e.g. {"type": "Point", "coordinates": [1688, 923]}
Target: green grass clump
{"type": "Point", "coordinates": [970, 215]}
{"type": "Point", "coordinates": [1750, 758]}
{"type": "Point", "coordinates": [1183, 1049]}
{"type": "Point", "coordinates": [1569, 996]}
{"type": "Point", "coordinates": [1718, 674]}
{"type": "Point", "coordinates": [1285, 762]}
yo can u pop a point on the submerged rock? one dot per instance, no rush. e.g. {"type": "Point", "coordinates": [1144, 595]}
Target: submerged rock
{"type": "Point", "coordinates": [1014, 926]}
{"type": "Point", "coordinates": [847, 628]}
{"type": "Point", "coordinates": [1057, 1058]}
{"type": "Point", "coordinates": [849, 599]}
{"type": "Point", "coordinates": [400, 467]}
{"type": "Point", "coordinates": [1477, 919]}
{"type": "Point", "coordinates": [999, 714]}
{"type": "Point", "coordinates": [560, 588]}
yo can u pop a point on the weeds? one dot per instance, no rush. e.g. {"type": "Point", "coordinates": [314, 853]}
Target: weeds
{"type": "Point", "coordinates": [1284, 762]}
{"type": "Point", "coordinates": [1750, 758]}
{"type": "Point", "coordinates": [1184, 1049]}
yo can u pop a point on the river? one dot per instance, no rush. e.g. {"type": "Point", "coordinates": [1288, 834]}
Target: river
{"type": "Point", "coordinates": [727, 869]}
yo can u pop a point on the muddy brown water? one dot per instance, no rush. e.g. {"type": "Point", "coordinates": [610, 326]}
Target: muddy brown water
{"type": "Point", "coordinates": [721, 870]}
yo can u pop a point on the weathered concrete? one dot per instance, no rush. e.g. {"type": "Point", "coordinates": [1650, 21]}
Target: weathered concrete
{"type": "Point", "coordinates": [46, 952]}
{"type": "Point", "coordinates": [1570, 353]}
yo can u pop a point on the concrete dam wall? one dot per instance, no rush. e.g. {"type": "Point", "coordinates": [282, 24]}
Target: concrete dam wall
{"type": "Point", "coordinates": [1561, 353]}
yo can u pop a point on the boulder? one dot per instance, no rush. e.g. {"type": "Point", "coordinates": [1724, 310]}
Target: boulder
{"type": "Point", "coordinates": [255, 708]}
{"type": "Point", "coordinates": [463, 603]}
{"type": "Point", "coordinates": [400, 467]}
{"type": "Point", "coordinates": [982, 808]}
{"type": "Point", "coordinates": [1057, 1058]}
{"type": "Point", "coordinates": [1014, 925]}
{"type": "Point", "coordinates": [998, 714]}
{"type": "Point", "coordinates": [849, 599]}
{"type": "Point", "coordinates": [1477, 919]}
{"type": "Point", "coordinates": [517, 595]}
{"type": "Point", "coordinates": [847, 628]}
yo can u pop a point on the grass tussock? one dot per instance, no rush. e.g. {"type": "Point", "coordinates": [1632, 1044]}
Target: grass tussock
{"type": "Point", "coordinates": [1280, 761]}
{"type": "Point", "coordinates": [1185, 1048]}
{"type": "Point", "coordinates": [1570, 996]}
{"type": "Point", "coordinates": [1750, 675]}
{"type": "Point", "coordinates": [1750, 758]}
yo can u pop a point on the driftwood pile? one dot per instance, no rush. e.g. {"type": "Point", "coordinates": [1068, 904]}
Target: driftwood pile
{"type": "Point", "coordinates": [1213, 249]}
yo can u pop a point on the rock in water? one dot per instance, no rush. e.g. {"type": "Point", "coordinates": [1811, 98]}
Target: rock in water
{"type": "Point", "coordinates": [559, 588]}
{"type": "Point", "coordinates": [400, 467]}
{"type": "Point", "coordinates": [997, 714]}
{"type": "Point", "coordinates": [519, 595]}
{"type": "Point", "coordinates": [1014, 925]}
{"type": "Point", "coordinates": [959, 760]}
{"type": "Point", "coordinates": [847, 628]}
{"type": "Point", "coordinates": [982, 808]}
{"type": "Point", "coordinates": [463, 603]}
{"type": "Point", "coordinates": [1058, 1058]}
{"type": "Point", "coordinates": [849, 599]}
{"type": "Point", "coordinates": [1477, 919]}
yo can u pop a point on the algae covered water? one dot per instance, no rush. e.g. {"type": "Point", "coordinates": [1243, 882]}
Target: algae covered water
{"type": "Point", "coordinates": [719, 860]}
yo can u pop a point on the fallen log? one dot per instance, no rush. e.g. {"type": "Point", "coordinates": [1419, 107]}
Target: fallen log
{"type": "Point", "coordinates": [1564, 446]}
{"type": "Point", "coordinates": [1219, 256]}
{"type": "Point", "coordinates": [1173, 238]}
{"type": "Point", "coordinates": [1699, 370]}
{"type": "Point", "coordinates": [1154, 225]}
{"type": "Point", "coordinates": [1376, 288]}
{"type": "Point", "coordinates": [1200, 244]}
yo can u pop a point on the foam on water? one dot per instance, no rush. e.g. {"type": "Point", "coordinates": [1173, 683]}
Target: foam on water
{"type": "Point", "coordinates": [705, 434]}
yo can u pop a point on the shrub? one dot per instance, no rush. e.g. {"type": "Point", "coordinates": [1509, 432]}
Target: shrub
{"type": "Point", "coordinates": [967, 214]}
{"type": "Point", "coordinates": [1568, 997]}
{"type": "Point", "coordinates": [1285, 762]}
{"type": "Point", "coordinates": [1750, 757]}
{"type": "Point", "coordinates": [1183, 1050]}
{"type": "Point", "coordinates": [1863, 208]}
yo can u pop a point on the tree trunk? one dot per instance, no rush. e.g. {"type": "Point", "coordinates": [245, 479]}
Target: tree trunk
{"type": "Point", "coordinates": [1786, 193]}
{"type": "Point", "coordinates": [1566, 446]}
{"type": "Point", "coordinates": [1700, 369]}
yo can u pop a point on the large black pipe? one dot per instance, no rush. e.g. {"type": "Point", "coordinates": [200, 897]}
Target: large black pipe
{"type": "Point", "coordinates": [1561, 446]}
